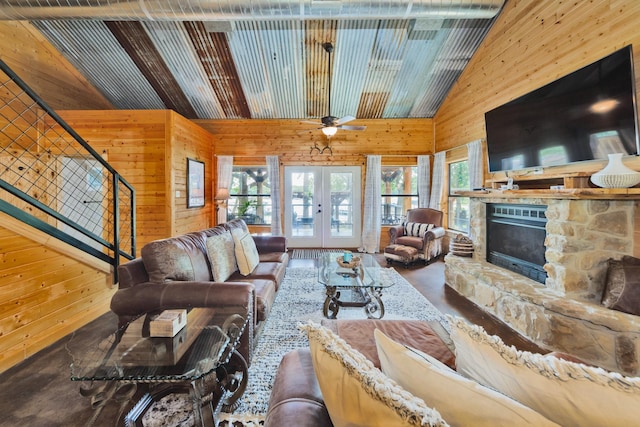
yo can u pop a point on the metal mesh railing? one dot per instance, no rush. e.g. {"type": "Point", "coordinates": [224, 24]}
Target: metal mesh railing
{"type": "Point", "coordinates": [53, 180]}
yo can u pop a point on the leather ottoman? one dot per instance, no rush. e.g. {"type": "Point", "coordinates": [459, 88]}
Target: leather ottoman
{"type": "Point", "coordinates": [401, 253]}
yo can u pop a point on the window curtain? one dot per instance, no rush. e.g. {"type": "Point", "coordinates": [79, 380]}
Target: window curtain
{"type": "Point", "coordinates": [372, 217]}
{"type": "Point", "coordinates": [438, 179]}
{"type": "Point", "coordinates": [225, 173]}
{"type": "Point", "coordinates": [476, 171]}
{"type": "Point", "coordinates": [424, 180]}
{"type": "Point", "coordinates": [273, 169]}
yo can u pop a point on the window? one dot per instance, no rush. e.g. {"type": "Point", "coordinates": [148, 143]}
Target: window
{"type": "Point", "coordinates": [399, 192]}
{"type": "Point", "coordinates": [458, 206]}
{"type": "Point", "coordinates": [250, 195]}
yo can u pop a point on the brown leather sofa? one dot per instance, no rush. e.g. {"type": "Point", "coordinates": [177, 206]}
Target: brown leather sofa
{"type": "Point", "coordinates": [429, 246]}
{"type": "Point", "coordinates": [296, 399]}
{"type": "Point", "coordinates": [178, 273]}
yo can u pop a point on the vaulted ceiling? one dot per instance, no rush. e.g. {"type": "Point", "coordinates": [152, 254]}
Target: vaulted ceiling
{"type": "Point", "coordinates": [264, 58]}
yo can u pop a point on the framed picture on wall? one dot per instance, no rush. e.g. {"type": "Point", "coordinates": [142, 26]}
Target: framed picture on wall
{"type": "Point", "coordinates": [195, 183]}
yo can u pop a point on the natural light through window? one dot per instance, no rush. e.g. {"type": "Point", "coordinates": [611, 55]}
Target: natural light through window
{"type": "Point", "coordinates": [250, 195]}
{"type": "Point", "coordinates": [458, 205]}
{"type": "Point", "coordinates": [399, 192]}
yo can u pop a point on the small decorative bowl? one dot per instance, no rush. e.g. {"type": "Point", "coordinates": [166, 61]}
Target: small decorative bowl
{"type": "Point", "coordinates": [355, 261]}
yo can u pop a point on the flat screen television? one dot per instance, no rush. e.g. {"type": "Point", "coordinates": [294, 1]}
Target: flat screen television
{"type": "Point", "coordinates": [585, 115]}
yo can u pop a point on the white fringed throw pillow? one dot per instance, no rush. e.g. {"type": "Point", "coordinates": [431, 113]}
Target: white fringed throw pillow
{"type": "Point", "coordinates": [358, 394]}
{"type": "Point", "coordinates": [461, 401]}
{"type": "Point", "coordinates": [247, 255]}
{"type": "Point", "coordinates": [570, 394]}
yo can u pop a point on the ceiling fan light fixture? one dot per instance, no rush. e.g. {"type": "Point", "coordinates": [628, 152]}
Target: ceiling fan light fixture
{"type": "Point", "coordinates": [329, 131]}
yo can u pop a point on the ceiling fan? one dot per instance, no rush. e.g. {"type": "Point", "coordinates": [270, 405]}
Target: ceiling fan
{"type": "Point", "coordinates": [331, 124]}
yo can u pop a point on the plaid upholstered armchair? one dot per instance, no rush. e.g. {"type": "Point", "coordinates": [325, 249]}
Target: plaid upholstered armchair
{"type": "Point", "coordinates": [423, 231]}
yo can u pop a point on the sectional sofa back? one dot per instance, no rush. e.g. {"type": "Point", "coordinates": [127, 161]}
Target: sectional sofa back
{"type": "Point", "coordinates": [181, 258]}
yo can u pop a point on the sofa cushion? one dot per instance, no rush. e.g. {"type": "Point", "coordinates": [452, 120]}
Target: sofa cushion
{"type": "Point", "coordinates": [461, 401]}
{"type": "Point", "coordinates": [273, 271]}
{"type": "Point", "coordinates": [413, 241]}
{"type": "Point", "coordinates": [177, 258]}
{"type": "Point", "coordinates": [567, 393]}
{"type": "Point", "coordinates": [358, 394]}
{"type": "Point", "coordinates": [280, 257]}
{"type": "Point", "coordinates": [265, 291]}
{"type": "Point", "coordinates": [416, 229]}
{"type": "Point", "coordinates": [246, 252]}
{"type": "Point", "coordinates": [622, 287]}
{"type": "Point", "coordinates": [358, 333]}
{"type": "Point", "coordinates": [221, 251]}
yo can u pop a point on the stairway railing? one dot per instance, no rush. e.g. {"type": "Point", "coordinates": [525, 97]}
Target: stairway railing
{"type": "Point", "coordinates": [51, 179]}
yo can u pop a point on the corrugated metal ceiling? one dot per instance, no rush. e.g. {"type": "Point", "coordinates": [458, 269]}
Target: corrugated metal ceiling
{"type": "Point", "coordinates": [398, 59]}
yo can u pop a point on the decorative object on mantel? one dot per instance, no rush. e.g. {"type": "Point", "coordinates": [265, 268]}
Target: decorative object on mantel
{"type": "Point", "coordinates": [616, 174]}
{"type": "Point", "coordinates": [461, 245]}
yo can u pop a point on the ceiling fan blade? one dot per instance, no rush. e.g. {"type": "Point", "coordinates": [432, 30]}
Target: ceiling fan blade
{"type": "Point", "coordinates": [352, 127]}
{"type": "Point", "coordinates": [311, 123]}
{"type": "Point", "coordinates": [345, 119]}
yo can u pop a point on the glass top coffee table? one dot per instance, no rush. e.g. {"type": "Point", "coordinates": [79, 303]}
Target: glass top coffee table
{"type": "Point", "coordinates": [357, 286]}
{"type": "Point", "coordinates": [201, 360]}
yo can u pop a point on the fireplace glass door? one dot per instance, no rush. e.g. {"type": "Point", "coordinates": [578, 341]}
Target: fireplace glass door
{"type": "Point", "coordinates": [515, 238]}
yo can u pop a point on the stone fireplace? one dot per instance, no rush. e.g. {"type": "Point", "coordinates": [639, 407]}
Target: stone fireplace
{"type": "Point", "coordinates": [563, 313]}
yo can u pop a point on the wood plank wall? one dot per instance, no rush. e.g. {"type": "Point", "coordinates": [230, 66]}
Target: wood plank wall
{"type": "Point", "coordinates": [189, 140]}
{"type": "Point", "coordinates": [149, 149]}
{"type": "Point", "coordinates": [45, 292]}
{"type": "Point", "coordinates": [398, 141]}
{"type": "Point", "coordinates": [533, 43]}
{"type": "Point", "coordinates": [48, 289]}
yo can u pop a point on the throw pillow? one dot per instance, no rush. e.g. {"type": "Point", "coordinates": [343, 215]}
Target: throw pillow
{"type": "Point", "coordinates": [622, 287]}
{"type": "Point", "coordinates": [416, 229]}
{"type": "Point", "coordinates": [221, 250]}
{"type": "Point", "coordinates": [247, 255]}
{"type": "Point", "coordinates": [567, 393]}
{"type": "Point", "coordinates": [358, 394]}
{"type": "Point", "coordinates": [461, 401]}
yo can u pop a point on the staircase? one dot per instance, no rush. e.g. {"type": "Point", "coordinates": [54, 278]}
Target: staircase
{"type": "Point", "coordinates": [52, 180]}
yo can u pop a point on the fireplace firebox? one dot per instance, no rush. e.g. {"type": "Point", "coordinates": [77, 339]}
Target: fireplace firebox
{"type": "Point", "coordinates": [515, 238]}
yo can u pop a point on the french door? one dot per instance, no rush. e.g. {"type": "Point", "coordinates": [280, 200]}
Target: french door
{"type": "Point", "coordinates": [322, 206]}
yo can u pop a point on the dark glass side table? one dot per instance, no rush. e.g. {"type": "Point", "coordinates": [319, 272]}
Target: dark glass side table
{"type": "Point", "coordinates": [201, 360]}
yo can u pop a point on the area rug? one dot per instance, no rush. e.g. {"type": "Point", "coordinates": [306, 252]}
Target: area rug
{"type": "Point", "coordinates": [300, 298]}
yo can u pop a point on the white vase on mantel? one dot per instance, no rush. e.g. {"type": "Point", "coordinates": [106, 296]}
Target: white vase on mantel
{"type": "Point", "coordinates": [616, 174]}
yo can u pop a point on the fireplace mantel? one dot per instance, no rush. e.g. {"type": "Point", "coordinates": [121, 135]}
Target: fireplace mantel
{"type": "Point", "coordinates": [567, 193]}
